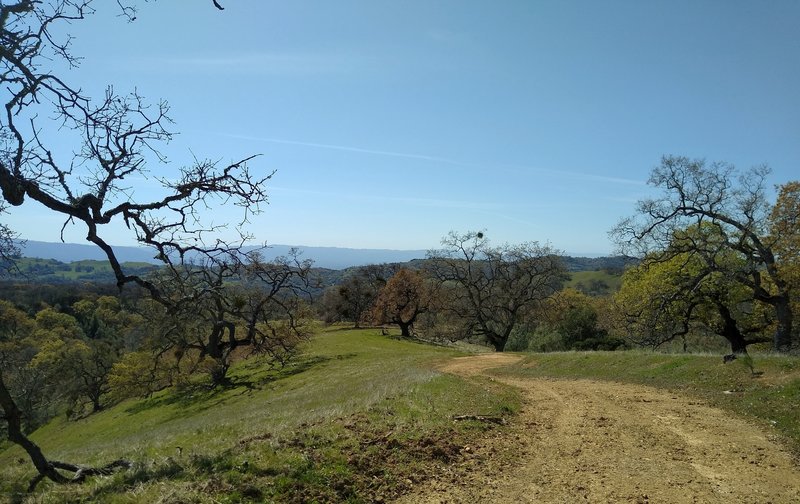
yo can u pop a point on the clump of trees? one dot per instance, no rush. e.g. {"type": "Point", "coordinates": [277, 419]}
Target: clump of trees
{"type": "Point", "coordinates": [352, 299]}
{"type": "Point", "coordinates": [55, 359]}
{"type": "Point", "coordinates": [717, 257]}
{"type": "Point", "coordinates": [568, 320]}
{"type": "Point", "coordinates": [507, 296]}
{"type": "Point", "coordinates": [82, 357]}
{"type": "Point", "coordinates": [468, 289]}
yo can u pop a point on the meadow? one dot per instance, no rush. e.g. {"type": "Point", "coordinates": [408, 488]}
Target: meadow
{"type": "Point", "coordinates": [359, 417]}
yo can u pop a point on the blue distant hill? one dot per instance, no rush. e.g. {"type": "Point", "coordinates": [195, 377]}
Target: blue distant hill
{"type": "Point", "coordinates": [335, 258]}
{"type": "Point", "coordinates": [323, 257]}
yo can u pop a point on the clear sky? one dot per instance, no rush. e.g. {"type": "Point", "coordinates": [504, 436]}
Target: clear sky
{"type": "Point", "coordinates": [391, 123]}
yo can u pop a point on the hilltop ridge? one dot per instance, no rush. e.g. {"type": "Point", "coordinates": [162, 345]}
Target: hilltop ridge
{"type": "Point", "coordinates": [332, 258]}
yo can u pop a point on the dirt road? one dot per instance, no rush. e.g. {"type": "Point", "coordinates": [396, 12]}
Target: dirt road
{"type": "Point", "coordinates": [597, 442]}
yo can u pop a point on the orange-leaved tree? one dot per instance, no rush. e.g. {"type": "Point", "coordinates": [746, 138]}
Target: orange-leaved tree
{"type": "Point", "coordinates": [405, 297]}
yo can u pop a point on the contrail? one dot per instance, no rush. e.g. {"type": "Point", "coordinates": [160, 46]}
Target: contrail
{"type": "Point", "coordinates": [437, 159]}
{"type": "Point", "coordinates": [352, 149]}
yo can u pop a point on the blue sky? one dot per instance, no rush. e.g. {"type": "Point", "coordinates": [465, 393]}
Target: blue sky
{"type": "Point", "coordinates": [392, 123]}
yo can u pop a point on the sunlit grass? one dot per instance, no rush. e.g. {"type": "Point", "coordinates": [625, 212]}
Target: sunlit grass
{"type": "Point", "coordinates": [585, 279]}
{"type": "Point", "coordinates": [276, 433]}
{"type": "Point", "coordinates": [357, 417]}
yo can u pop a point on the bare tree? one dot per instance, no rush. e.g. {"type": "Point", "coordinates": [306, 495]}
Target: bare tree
{"type": "Point", "coordinates": [233, 303]}
{"type": "Point", "coordinates": [492, 287]}
{"type": "Point", "coordinates": [352, 299]}
{"type": "Point", "coordinates": [115, 138]}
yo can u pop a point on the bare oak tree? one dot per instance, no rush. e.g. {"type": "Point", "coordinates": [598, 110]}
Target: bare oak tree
{"type": "Point", "coordinates": [235, 302]}
{"type": "Point", "coordinates": [492, 287]}
{"type": "Point", "coordinates": [114, 138]}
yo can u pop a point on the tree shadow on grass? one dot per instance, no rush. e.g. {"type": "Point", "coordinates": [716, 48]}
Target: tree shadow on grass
{"type": "Point", "coordinates": [124, 482]}
{"type": "Point", "coordinates": [199, 396]}
{"type": "Point", "coordinates": [197, 467]}
{"type": "Point", "coordinates": [190, 400]}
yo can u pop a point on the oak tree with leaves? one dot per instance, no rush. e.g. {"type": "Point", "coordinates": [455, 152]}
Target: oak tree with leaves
{"type": "Point", "coordinates": [732, 204]}
{"type": "Point", "coordinates": [405, 297]}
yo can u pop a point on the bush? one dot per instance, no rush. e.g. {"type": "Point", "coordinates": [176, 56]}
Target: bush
{"type": "Point", "coordinates": [519, 339]}
{"type": "Point", "coordinates": [546, 339]}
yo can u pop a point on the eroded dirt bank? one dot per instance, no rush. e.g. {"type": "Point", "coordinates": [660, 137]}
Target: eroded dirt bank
{"type": "Point", "coordinates": [585, 441]}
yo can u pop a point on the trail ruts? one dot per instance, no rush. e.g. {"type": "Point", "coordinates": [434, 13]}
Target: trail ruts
{"type": "Point", "coordinates": [599, 442]}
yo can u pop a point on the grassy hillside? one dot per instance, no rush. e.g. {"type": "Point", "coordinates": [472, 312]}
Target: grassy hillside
{"type": "Point", "coordinates": [51, 270]}
{"type": "Point", "coordinates": [598, 282]}
{"type": "Point", "coordinates": [360, 417]}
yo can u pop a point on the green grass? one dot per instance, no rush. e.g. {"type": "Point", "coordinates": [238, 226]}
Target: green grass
{"type": "Point", "coordinates": [772, 398]}
{"type": "Point", "coordinates": [584, 279]}
{"type": "Point", "coordinates": [355, 409]}
{"type": "Point", "coordinates": [358, 418]}
{"type": "Point", "coordinates": [85, 270]}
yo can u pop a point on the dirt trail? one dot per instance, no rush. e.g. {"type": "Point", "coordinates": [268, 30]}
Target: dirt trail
{"type": "Point", "coordinates": [598, 442]}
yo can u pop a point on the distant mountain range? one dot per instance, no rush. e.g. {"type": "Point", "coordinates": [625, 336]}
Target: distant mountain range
{"type": "Point", "coordinates": [333, 258]}
{"type": "Point", "coordinates": [323, 257]}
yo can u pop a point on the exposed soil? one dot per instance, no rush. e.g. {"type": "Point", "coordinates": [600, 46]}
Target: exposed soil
{"type": "Point", "coordinates": [598, 442]}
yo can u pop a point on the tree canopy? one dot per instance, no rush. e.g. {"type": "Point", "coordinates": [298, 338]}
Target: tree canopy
{"type": "Point", "coordinates": [405, 297]}
{"type": "Point", "coordinates": [730, 208]}
{"type": "Point", "coordinates": [661, 301]}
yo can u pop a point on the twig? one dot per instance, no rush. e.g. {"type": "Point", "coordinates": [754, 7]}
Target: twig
{"type": "Point", "coordinates": [481, 418]}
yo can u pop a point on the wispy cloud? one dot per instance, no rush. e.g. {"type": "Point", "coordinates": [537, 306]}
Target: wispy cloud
{"type": "Point", "coordinates": [588, 177]}
{"type": "Point", "coordinates": [346, 148]}
{"type": "Point", "coordinates": [442, 203]}
{"type": "Point", "coordinates": [576, 175]}
{"type": "Point", "coordinates": [613, 180]}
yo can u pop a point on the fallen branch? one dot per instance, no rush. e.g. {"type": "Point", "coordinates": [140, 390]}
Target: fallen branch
{"type": "Point", "coordinates": [481, 418]}
{"type": "Point", "coordinates": [81, 472]}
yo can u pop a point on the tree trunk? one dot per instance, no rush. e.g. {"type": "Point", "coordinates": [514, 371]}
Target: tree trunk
{"type": "Point", "coordinates": [497, 341]}
{"type": "Point", "coordinates": [730, 331]}
{"type": "Point", "coordinates": [498, 345]}
{"type": "Point", "coordinates": [406, 325]}
{"type": "Point", "coordinates": [219, 374]}
{"type": "Point", "coordinates": [45, 468]}
{"type": "Point", "coordinates": [738, 343]}
{"type": "Point", "coordinates": [13, 418]}
{"type": "Point", "coordinates": [405, 328]}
